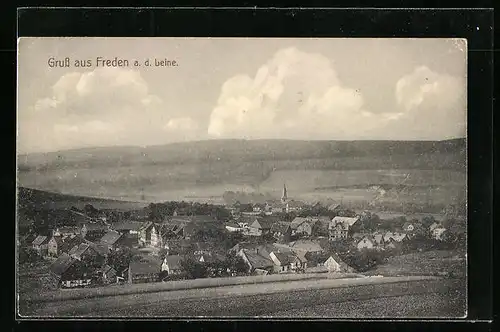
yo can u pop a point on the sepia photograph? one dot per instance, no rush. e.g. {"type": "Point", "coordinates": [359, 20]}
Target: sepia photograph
{"type": "Point", "coordinates": [241, 177]}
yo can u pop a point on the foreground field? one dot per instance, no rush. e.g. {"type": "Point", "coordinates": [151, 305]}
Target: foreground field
{"type": "Point", "coordinates": [425, 263]}
{"type": "Point", "coordinates": [328, 298]}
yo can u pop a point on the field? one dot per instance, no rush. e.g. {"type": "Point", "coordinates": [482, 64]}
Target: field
{"type": "Point", "coordinates": [328, 298]}
{"type": "Point", "coordinates": [425, 263]}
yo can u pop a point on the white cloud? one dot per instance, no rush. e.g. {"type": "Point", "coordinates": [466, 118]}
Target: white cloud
{"type": "Point", "coordinates": [294, 95]}
{"type": "Point", "coordinates": [181, 124]}
{"type": "Point", "coordinates": [109, 106]}
{"type": "Point", "coordinates": [298, 95]}
{"type": "Point", "coordinates": [432, 105]}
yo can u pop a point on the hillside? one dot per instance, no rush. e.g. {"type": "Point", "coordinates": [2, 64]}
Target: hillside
{"type": "Point", "coordinates": [38, 199]}
{"type": "Point", "coordinates": [416, 171]}
{"type": "Point", "coordinates": [238, 151]}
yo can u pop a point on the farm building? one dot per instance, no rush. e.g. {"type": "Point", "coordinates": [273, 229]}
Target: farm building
{"type": "Point", "coordinates": [94, 231]}
{"type": "Point", "coordinates": [366, 242]}
{"type": "Point", "coordinates": [260, 227]}
{"type": "Point", "coordinates": [68, 272]}
{"type": "Point", "coordinates": [109, 275]}
{"type": "Point", "coordinates": [256, 260]}
{"type": "Point", "coordinates": [146, 270]}
{"type": "Point", "coordinates": [40, 244]}
{"type": "Point", "coordinates": [172, 264]}
{"type": "Point", "coordinates": [334, 264]}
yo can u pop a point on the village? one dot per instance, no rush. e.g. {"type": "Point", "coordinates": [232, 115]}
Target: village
{"type": "Point", "coordinates": [175, 241]}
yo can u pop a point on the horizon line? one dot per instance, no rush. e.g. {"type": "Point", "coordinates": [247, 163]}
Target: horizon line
{"type": "Point", "coordinates": [238, 139]}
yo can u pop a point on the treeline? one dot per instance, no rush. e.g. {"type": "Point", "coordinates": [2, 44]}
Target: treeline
{"type": "Point", "coordinates": [158, 211]}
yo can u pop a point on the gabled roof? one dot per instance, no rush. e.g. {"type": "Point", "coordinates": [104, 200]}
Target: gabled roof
{"type": "Point", "coordinates": [296, 204]}
{"type": "Point", "coordinates": [147, 266]}
{"type": "Point", "coordinates": [345, 220]}
{"type": "Point", "coordinates": [343, 266]}
{"type": "Point", "coordinates": [257, 261]}
{"type": "Point", "coordinates": [110, 238]}
{"type": "Point", "coordinates": [81, 249]}
{"type": "Point", "coordinates": [297, 221]}
{"type": "Point", "coordinates": [62, 264]}
{"type": "Point", "coordinates": [146, 225]}
{"type": "Point", "coordinates": [365, 239]}
{"type": "Point", "coordinates": [174, 261]}
{"type": "Point", "coordinates": [334, 207]}
{"type": "Point", "coordinates": [280, 227]}
{"type": "Point", "coordinates": [57, 239]}
{"type": "Point", "coordinates": [40, 240]}
{"type": "Point", "coordinates": [232, 224]}
{"type": "Point", "coordinates": [283, 258]}
{"type": "Point", "coordinates": [109, 271]}
{"type": "Point", "coordinates": [71, 243]}
{"type": "Point", "coordinates": [263, 223]}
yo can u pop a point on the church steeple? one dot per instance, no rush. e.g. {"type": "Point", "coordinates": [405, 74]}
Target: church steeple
{"type": "Point", "coordinates": [284, 196]}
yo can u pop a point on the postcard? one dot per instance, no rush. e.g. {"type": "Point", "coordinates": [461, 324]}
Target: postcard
{"type": "Point", "coordinates": [241, 177]}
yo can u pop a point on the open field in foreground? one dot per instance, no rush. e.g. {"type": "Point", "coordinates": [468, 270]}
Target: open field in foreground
{"type": "Point", "coordinates": [424, 263]}
{"type": "Point", "coordinates": [326, 297]}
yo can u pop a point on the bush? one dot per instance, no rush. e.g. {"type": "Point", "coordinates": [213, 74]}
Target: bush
{"type": "Point", "coordinates": [364, 260]}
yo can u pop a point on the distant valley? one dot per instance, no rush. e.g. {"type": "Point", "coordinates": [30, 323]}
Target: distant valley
{"type": "Point", "coordinates": [419, 172]}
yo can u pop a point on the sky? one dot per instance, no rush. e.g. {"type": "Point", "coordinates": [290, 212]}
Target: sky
{"type": "Point", "coordinates": [302, 88]}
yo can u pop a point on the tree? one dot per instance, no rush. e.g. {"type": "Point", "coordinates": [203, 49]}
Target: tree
{"type": "Point", "coordinates": [193, 269]}
{"type": "Point", "coordinates": [119, 259]}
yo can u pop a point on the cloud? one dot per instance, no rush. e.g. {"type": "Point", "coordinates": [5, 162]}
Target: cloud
{"type": "Point", "coordinates": [294, 95]}
{"type": "Point", "coordinates": [106, 106]}
{"type": "Point", "coordinates": [298, 95]}
{"type": "Point", "coordinates": [431, 105]}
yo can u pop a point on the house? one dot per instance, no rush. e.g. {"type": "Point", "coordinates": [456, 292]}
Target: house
{"type": "Point", "coordinates": [172, 264]}
{"type": "Point", "coordinates": [321, 226]}
{"type": "Point", "coordinates": [294, 206]}
{"type": "Point", "coordinates": [233, 227]}
{"type": "Point", "coordinates": [256, 260]}
{"type": "Point", "coordinates": [68, 272]}
{"type": "Point", "coordinates": [146, 270]}
{"type": "Point", "coordinates": [58, 245]}
{"type": "Point", "coordinates": [339, 227]}
{"type": "Point", "coordinates": [54, 246]}
{"type": "Point", "coordinates": [109, 275]}
{"type": "Point", "coordinates": [396, 236]}
{"type": "Point", "coordinates": [66, 231]}
{"type": "Point", "coordinates": [145, 233]}
{"type": "Point", "coordinates": [338, 231]}
{"type": "Point", "coordinates": [408, 227]}
{"type": "Point", "coordinates": [302, 225]}
{"type": "Point", "coordinates": [366, 242]}
{"type": "Point", "coordinates": [334, 264]}
{"type": "Point", "coordinates": [87, 254]}
{"type": "Point", "coordinates": [40, 244]}
{"type": "Point", "coordinates": [112, 239]}
{"type": "Point", "coordinates": [282, 261]}
{"type": "Point", "coordinates": [281, 231]}
{"type": "Point", "coordinates": [93, 231]}
{"type": "Point", "coordinates": [260, 227]}
{"type": "Point", "coordinates": [437, 232]}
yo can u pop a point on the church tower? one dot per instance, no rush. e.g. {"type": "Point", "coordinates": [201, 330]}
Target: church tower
{"type": "Point", "coordinates": [284, 196]}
